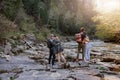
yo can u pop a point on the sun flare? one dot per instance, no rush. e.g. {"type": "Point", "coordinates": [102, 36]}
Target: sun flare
{"type": "Point", "coordinates": [105, 6]}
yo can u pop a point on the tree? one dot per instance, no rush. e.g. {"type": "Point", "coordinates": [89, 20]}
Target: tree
{"type": "Point", "coordinates": [109, 25]}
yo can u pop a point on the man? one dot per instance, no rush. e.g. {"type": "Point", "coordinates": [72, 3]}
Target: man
{"type": "Point", "coordinates": [79, 38]}
{"type": "Point", "coordinates": [51, 45]}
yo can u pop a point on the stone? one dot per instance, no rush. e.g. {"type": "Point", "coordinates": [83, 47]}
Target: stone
{"type": "Point", "coordinates": [31, 37]}
{"type": "Point", "coordinates": [108, 59]}
{"type": "Point", "coordinates": [117, 61]}
{"type": "Point", "coordinates": [7, 49]}
{"type": "Point", "coordinates": [101, 75]}
{"type": "Point", "coordinates": [96, 53]}
{"type": "Point", "coordinates": [55, 74]}
{"type": "Point", "coordinates": [30, 52]}
{"type": "Point", "coordinates": [115, 68]}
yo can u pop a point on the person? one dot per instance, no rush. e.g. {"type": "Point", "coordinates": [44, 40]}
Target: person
{"type": "Point", "coordinates": [51, 46]}
{"type": "Point", "coordinates": [87, 49]}
{"type": "Point", "coordinates": [59, 50]}
{"type": "Point", "coordinates": [79, 38]}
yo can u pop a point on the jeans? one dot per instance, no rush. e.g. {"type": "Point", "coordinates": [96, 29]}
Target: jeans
{"type": "Point", "coordinates": [51, 56]}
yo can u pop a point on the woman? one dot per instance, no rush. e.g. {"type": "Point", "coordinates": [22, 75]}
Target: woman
{"type": "Point", "coordinates": [79, 39]}
{"type": "Point", "coordinates": [59, 50]}
{"type": "Point", "coordinates": [87, 49]}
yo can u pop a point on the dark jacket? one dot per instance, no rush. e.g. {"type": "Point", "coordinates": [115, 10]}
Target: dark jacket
{"type": "Point", "coordinates": [59, 47]}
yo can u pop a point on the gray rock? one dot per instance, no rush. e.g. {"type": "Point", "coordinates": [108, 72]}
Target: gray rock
{"type": "Point", "coordinates": [30, 52]}
{"type": "Point", "coordinates": [31, 37]}
{"type": "Point", "coordinates": [7, 49]}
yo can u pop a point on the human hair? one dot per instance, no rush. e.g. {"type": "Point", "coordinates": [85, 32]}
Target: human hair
{"type": "Point", "coordinates": [82, 29]}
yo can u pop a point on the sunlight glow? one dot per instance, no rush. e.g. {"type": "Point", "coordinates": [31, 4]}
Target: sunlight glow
{"type": "Point", "coordinates": [106, 6]}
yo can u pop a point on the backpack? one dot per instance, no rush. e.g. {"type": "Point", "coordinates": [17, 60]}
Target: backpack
{"type": "Point", "coordinates": [78, 38]}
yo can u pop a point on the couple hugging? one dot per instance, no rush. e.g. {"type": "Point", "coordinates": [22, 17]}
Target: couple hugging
{"type": "Point", "coordinates": [83, 44]}
{"type": "Point", "coordinates": [56, 49]}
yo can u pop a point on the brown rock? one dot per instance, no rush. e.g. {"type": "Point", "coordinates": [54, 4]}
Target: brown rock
{"type": "Point", "coordinates": [108, 59]}
{"type": "Point", "coordinates": [117, 61]}
{"type": "Point", "coordinates": [115, 68]}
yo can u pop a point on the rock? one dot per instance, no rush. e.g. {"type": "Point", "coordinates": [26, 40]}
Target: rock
{"type": "Point", "coordinates": [41, 45]}
{"type": "Point", "coordinates": [18, 49]}
{"type": "Point", "coordinates": [44, 49]}
{"type": "Point", "coordinates": [101, 75]}
{"type": "Point", "coordinates": [17, 70]}
{"type": "Point", "coordinates": [42, 61]}
{"type": "Point", "coordinates": [55, 75]}
{"type": "Point", "coordinates": [7, 49]}
{"type": "Point", "coordinates": [96, 53]}
{"type": "Point", "coordinates": [72, 77]}
{"type": "Point", "coordinates": [70, 54]}
{"type": "Point", "coordinates": [64, 66]}
{"type": "Point", "coordinates": [109, 72]}
{"type": "Point", "coordinates": [3, 71]}
{"type": "Point", "coordinates": [108, 59]}
{"type": "Point", "coordinates": [30, 52]}
{"type": "Point", "coordinates": [31, 37]}
{"type": "Point", "coordinates": [37, 57]}
{"type": "Point", "coordinates": [7, 57]}
{"type": "Point", "coordinates": [70, 45]}
{"type": "Point", "coordinates": [117, 61]}
{"type": "Point", "coordinates": [115, 68]}
{"type": "Point", "coordinates": [111, 77]}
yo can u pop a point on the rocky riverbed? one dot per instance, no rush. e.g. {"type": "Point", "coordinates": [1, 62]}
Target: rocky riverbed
{"type": "Point", "coordinates": [31, 63]}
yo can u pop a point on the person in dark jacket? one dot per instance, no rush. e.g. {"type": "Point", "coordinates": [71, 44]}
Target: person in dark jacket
{"type": "Point", "coordinates": [51, 46]}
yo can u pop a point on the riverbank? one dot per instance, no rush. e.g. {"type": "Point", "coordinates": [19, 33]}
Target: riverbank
{"type": "Point", "coordinates": [29, 62]}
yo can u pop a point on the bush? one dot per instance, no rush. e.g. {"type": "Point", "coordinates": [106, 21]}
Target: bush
{"type": "Point", "coordinates": [43, 34]}
{"type": "Point", "coordinates": [7, 27]}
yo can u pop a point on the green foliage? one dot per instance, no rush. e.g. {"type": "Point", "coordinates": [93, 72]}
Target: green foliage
{"type": "Point", "coordinates": [43, 34]}
{"type": "Point", "coordinates": [25, 23]}
{"type": "Point", "coordinates": [63, 16]}
{"type": "Point", "coordinates": [10, 8]}
{"type": "Point", "coordinates": [7, 27]}
{"type": "Point", "coordinates": [109, 26]}
{"type": "Point", "coordinates": [68, 16]}
{"type": "Point", "coordinates": [38, 9]}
